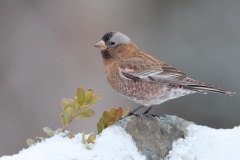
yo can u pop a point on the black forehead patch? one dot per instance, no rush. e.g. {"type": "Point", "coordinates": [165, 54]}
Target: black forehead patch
{"type": "Point", "coordinates": [107, 36]}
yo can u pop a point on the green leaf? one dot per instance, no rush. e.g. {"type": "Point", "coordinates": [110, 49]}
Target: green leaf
{"type": "Point", "coordinates": [95, 99]}
{"type": "Point", "coordinates": [91, 138]}
{"type": "Point", "coordinates": [30, 142]}
{"type": "Point", "coordinates": [105, 116]}
{"type": "Point", "coordinates": [89, 96]}
{"type": "Point", "coordinates": [63, 119]}
{"type": "Point", "coordinates": [99, 128]}
{"type": "Point", "coordinates": [70, 111]}
{"type": "Point", "coordinates": [66, 103]}
{"type": "Point", "coordinates": [48, 131]}
{"type": "Point", "coordinates": [105, 125]}
{"type": "Point", "coordinates": [80, 96]}
{"type": "Point", "coordinates": [111, 119]}
{"type": "Point", "coordinates": [101, 122]}
{"type": "Point", "coordinates": [86, 113]}
{"type": "Point", "coordinates": [113, 112]}
{"type": "Point", "coordinates": [74, 104]}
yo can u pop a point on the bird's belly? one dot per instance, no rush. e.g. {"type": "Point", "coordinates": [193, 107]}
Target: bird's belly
{"type": "Point", "coordinates": [147, 93]}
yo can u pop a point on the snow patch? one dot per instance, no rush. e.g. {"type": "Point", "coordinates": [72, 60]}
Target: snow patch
{"type": "Point", "coordinates": [201, 143]}
{"type": "Point", "coordinates": [204, 143]}
{"type": "Point", "coordinates": [113, 144]}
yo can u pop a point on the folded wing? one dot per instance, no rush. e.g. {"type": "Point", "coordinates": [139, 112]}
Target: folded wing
{"type": "Point", "coordinates": [138, 69]}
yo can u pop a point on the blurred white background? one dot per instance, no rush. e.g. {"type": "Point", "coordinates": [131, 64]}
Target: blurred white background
{"type": "Point", "coordinates": [46, 51]}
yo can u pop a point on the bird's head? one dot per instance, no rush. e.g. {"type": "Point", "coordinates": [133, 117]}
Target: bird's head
{"type": "Point", "coordinates": [115, 45]}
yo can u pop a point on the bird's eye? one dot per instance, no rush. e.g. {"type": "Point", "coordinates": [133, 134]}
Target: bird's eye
{"type": "Point", "coordinates": [112, 43]}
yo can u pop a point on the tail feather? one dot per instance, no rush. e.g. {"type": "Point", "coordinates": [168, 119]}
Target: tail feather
{"type": "Point", "coordinates": [207, 88]}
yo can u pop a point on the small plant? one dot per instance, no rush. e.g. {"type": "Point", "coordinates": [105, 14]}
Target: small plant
{"type": "Point", "coordinates": [110, 117]}
{"type": "Point", "coordinates": [90, 138]}
{"type": "Point", "coordinates": [78, 108]}
{"type": "Point", "coordinates": [46, 130]}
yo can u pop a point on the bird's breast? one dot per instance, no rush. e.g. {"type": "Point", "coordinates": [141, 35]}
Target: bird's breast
{"type": "Point", "coordinates": [138, 91]}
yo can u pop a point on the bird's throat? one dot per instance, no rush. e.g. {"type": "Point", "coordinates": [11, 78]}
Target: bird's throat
{"type": "Point", "coordinates": [105, 54]}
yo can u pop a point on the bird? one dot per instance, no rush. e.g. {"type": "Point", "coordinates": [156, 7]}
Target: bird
{"type": "Point", "coordinates": [141, 77]}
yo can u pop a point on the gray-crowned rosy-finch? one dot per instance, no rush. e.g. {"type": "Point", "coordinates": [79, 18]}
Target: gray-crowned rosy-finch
{"type": "Point", "coordinates": [142, 78]}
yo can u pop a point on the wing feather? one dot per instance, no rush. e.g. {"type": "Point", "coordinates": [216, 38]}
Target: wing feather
{"type": "Point", "coordinates": [146, 70]}
{"type": "Point", "coordinates": [150, 70]}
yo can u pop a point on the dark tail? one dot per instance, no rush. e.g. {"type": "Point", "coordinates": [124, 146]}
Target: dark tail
{"type": "Point", "coordinates": [207, 88]}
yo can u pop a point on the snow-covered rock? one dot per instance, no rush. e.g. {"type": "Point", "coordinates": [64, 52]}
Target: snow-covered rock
{"type": "Point", "coordinates": [154, 135]}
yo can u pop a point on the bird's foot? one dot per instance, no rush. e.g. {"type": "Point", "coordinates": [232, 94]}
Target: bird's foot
{"type": "Point", "coordinates": [148, 109]}
{"type": "Point", "coordinates": [130, 114]}
{"type": "Point", "coordinates": [153, 115]}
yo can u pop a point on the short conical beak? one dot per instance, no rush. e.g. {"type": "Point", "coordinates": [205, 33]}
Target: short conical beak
{"type": "Point", "coordinates": [101, 45]}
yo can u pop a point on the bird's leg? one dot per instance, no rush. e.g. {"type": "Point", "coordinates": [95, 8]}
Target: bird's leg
{"type": "Point", "coordinates": [136, 109]}
{"type": "Point", "coordinates": [148, 109]}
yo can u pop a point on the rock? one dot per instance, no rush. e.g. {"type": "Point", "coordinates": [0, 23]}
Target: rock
{"type": "Point", "coordinates": [154, 135]}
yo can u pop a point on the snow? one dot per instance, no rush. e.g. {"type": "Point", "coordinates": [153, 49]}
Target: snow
{"type": "Point", "coordinates": [113, 144]}
{"type": "Point", "coordinates": [204, 143]}
{"type": "Point", "coordinates": [201, 143]}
